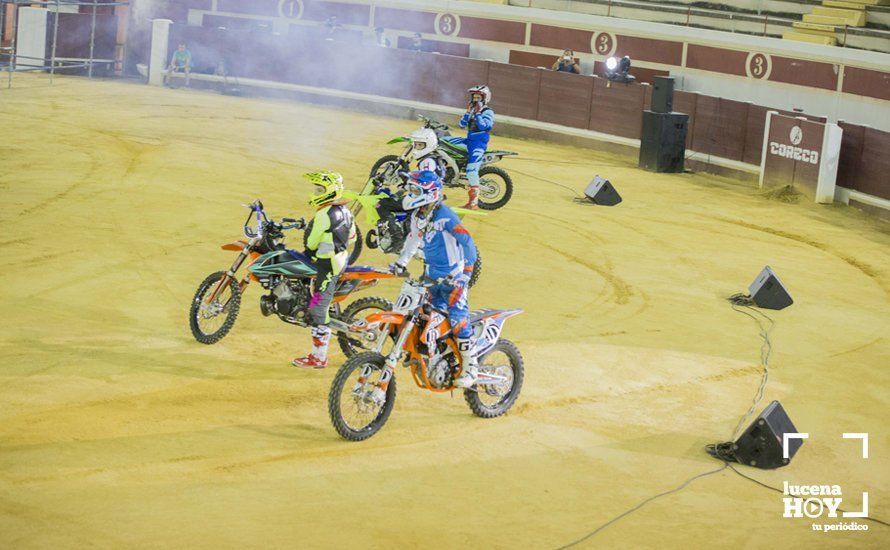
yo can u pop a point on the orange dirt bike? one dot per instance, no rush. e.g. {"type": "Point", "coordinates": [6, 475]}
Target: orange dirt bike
{"type": "Point", "coordinates": [364, 390]}
{"type": "Point", "coordinates": [287, 276]}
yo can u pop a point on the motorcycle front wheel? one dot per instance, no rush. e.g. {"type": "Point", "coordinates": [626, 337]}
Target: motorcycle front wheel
{"type": "Point", "coordinates": [495, 187]}
{"type": "Point", "coordinates": [389, 167]}
{"type": "Point", "coordinates": [354, 411]}
{"type": "Point", "coordinates": [214, 308]}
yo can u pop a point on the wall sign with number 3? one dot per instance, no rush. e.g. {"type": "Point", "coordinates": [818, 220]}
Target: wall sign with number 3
{"type": "Point", "coordinates": [603, 43]}
{"type": "Point", "coordinates": [758, 65]}
{"type": "Point", "coordinates": [447, 24]}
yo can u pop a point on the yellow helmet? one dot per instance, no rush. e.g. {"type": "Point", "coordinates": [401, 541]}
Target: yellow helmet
{"type": "Point", "coordinates": [328, 187]}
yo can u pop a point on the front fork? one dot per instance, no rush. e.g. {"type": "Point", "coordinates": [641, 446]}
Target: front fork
{"type": "Point", "coordinates": [392, 360]}
{"type": "Point", "coordinates": [230, 274]}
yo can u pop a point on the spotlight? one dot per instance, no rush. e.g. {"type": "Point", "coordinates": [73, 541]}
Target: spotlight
{"type": "Point", "coordinates": [617, 69]}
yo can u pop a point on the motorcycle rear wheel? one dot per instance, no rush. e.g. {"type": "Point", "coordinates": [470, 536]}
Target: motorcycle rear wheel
{"type": "Point", "coordinates": [354, 427]}
{"type": "Point", "coordinates": [477, 270]}
{"type": "Point", "coordinates": [489, 401]}
{"type": "Point", "coordinates": [494, 194]}
{"type": "Point", "coordinates": [352, 313]}
{"type": "Point", "coordinates": [201, 311]}
{"type": "Point", "coordinates": [383, 164]}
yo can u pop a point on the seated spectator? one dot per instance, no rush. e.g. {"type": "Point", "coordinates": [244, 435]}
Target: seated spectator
{"type": "Point", "coordinates": [380, 38]}
{"type": "Point", "coordinates": [566, 63]}
{"type": "Point", "coordinates": [417, 43]}
{"type": "Point", "coordinates": [331, 27]}
{"type": "Point", "coordinates": [181, 62]}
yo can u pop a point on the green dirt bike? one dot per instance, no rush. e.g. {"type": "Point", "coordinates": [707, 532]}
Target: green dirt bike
{"type": "Point", "coordinates": [495, 184]}
{"type": "Point", "coordinates": [389, 235]}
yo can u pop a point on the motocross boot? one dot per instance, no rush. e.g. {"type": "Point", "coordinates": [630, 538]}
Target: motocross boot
{"type": "Point", "coordinates": [470, 373]}
{"type": "Point", "coordinates": [318, 358]}
{"type": "Point", "coordinates": [473, 200]}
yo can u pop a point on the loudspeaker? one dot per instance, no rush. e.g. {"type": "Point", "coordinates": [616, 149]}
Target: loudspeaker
{"type": "Point", "coordinates": [663, 141]}
{"type": "Point", "coordinates": [663, 94]}
{"type": "Point", "coordinates": [761, 444]}
{"type": "Point", "coordinates": [600, 191]}
{"type": "Point", "coordinates": [768, 292]}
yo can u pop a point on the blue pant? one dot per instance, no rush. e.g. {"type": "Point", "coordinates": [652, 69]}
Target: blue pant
{"type": "Point", "coordinates": [476, 147]}
{"type": "Point", "coordinates": [453, 300]}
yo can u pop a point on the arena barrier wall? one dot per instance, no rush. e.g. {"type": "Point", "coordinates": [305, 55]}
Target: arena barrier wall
{"type": "Point", "coordinates": [843, 83]}
{"type": "Point", "coordinates": [723, 134]}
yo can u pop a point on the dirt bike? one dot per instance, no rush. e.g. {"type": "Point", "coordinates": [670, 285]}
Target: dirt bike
{"type": "Point", "coordinates": [287, 275]}
{"type": "Point", "coordinates": [364, 390]}
{"type": "Point", "coordinates": [389, 235]}
{"type": "Point", "coordinates": [495, 184]}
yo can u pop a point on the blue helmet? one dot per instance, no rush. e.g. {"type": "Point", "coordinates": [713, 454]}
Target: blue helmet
{"type": "Point", "coordinates": [424, 188]}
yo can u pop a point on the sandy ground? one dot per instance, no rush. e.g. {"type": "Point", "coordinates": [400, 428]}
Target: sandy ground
{"type": "Point", "coordinates": [117, 429]}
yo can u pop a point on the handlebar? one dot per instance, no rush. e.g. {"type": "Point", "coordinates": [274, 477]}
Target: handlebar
{"type": "Point", "coordinates": [263, 220]}
{"type": "Point", "coordinates": [293, 224]}
{"type": "Point", "coordinates": [433, 123]}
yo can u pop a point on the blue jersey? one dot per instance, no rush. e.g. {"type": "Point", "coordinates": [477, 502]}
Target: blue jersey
{"type": "Point", "coordinates": [478, 126]}
{"type": "Point", "coordinates": [447, 246]}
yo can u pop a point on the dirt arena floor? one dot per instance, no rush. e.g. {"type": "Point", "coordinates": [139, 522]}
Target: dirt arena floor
{"type": "Point", "coordinates": [118, 430]}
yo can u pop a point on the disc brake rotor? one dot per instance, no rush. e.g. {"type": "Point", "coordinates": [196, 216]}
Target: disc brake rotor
{"type": "Point", "coordinates": [500, 389]}
{"type": "Point", "coordinates": [490, 188]}
{"type": "Point", "coordinates": [211, 310]}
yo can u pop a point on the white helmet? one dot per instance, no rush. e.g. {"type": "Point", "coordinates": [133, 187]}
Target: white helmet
{"type": "Point", "coordinates": [482, 90]}
{"type": "Point", "coordinates": [424, 142]}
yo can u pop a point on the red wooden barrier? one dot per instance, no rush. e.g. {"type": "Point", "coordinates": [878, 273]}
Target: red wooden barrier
{"type": "Point", "coordinates": [617, 109]}
{"type": "Point", "coordinates": [564, 99]}
{"type": "Point", "coordinates": [721, 127]}
{"type": "Point", "coordinates": [516, 90]}
{"type": "Point", "coordinates": [454, 75]}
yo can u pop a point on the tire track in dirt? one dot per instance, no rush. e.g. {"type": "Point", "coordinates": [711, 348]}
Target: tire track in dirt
{"type": "Point", "coordinates": [622, 291]}
{"type": "Point", "coordinates": [84, 180]}
{"type": "Point", "coordinates": [866, 269]}
{"type": "Point", "coordinates": [737, 372]}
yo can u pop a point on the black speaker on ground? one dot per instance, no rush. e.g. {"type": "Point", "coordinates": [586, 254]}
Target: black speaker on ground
{"type": "Point", "coordinates": [761, 444]}
{"type": "Point", "coordinates": [663, 141]}
{"type": "Point", "coordinates": [663, 94]}
{"type": "Point", "coordinates": [600, 191]}
{"type": "Point", "coordinates": [768, 292]}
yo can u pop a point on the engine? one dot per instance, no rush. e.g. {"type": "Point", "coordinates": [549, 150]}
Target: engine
{"type": "Point", "coordinates": [440, 369]}
{"type": "Point", "coordinates": [392, 235]}
{"type": "Point", "coordinates": [289, 299]}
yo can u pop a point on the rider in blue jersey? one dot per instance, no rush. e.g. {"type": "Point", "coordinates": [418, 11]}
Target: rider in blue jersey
{"type": "Point", "coordinates": [449, 254]}
{"type": "Point", "coordinates": [478, 120]}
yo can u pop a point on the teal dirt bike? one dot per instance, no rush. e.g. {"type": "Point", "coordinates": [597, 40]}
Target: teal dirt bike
{"type": "Point", "coordinates": [286, 278]}
{"type": "Point", "coordinates": [495, 184]}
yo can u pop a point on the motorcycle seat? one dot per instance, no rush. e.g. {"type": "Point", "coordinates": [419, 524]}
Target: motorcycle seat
{"type": "Point", "coordinates": [455, 143]}
{"type": "Point", "coordinates": [358, 269]}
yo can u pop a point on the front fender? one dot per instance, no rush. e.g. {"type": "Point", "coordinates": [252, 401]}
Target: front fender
{"type": "Point", "coordinates": [368, 204]}
{"type": "Point", "coordinates": [401, 139]}
{"type": "Point", "coordinates": [385, 317]}
{"type": "Point", "coordinates": [461, 212]}
{"type": "Point", "coordinates": [236, 246]}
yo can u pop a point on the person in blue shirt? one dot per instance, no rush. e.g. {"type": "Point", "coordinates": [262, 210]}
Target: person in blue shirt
{"type": "Point", "coordinates": [478, 120]}
{"type": "Point", "coordinates": [566, 63]}
{"type": "Point", "coordinates": [449, 255]}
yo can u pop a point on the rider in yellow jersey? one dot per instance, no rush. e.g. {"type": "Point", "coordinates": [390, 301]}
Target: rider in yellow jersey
{"type": "Point", "coordinates": [332, 235]}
